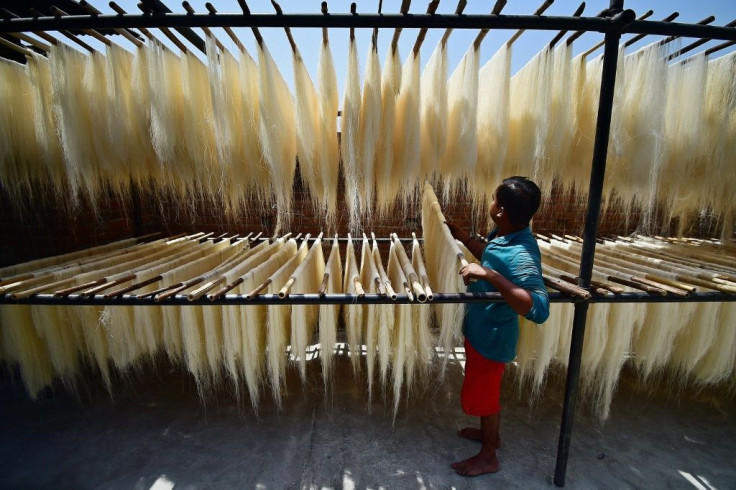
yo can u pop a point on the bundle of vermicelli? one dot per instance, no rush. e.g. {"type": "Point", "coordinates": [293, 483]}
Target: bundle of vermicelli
{"type": "Point", "coordinates": [559, 124]}
{"type": "Point", "coordinates": [23, 346]}
{"type": "Point", "coordinates": [385, 318]}
{"type": "Point", "coordinates": [227, 107]}
{"type": "Point", "coordinates": [685, 179]}
{"type": "Point", "coordinates": [636, 150]}
{"type": "Point", "coordinates": [278, 324]}
{"type": "Point", "coordinates": [74, 119]}
{"type": "Point", "coordinates": [720, 136]}
{"type": "Point", "coordinates": [146, 169]}
{"type": "Point", "coordinates": [307, 278]}
{"type": "Point", "coordinates": [528, 116]}
{"type": "Point", "coordinates": [253, 318]}
{"type": "Point", "coordinates": [406, 134]}
{"type": "Point", "coordinates": [243, 349]}
{"type": "Point", "coordinates": [199, 135]}
{"type": "Point", "coordinates": [172, 331]}
{"type": "Point", "coordinates": [167, 118]}
{"type": "Point", "coordinates": [277, 132]}
{"type": "Point", "coordinates": [369, 131]}
{"type": "Point", "coordinates": [308, 131]}
{"type": "Point", "coordinates": [388, 188]}
{"type": "Point", "coordinates": [259, 182]}
{"type": "Point", "coordinates": [421, 315]}
{"type": "Point", "coordinates": [127, 142]}
{"type": "Point", "coordinates": [52, 176]}
{"type": "Point", "coordinates": [585, 86]}
{"type": "Point", "coordinates": [328, 103]}
{"type": "Point", "coordinates": [492, 126]}
{"type": "Point", "coordinates": [402, 365]}
{"type": "Point", "coordinates": [443, 263]}
{"type": "Point", "coordinates": [369, 278]}
{"type": "Point", "coordinates": [433, 107]}
{"type": "Point", "coordinates": [350, 142]}
{"type": "Point", "coordinates": [328, 314]}
{"type": "Point", "coordinates": [458, 160]}
{"type": "Point", "coordinates": [353, 314]}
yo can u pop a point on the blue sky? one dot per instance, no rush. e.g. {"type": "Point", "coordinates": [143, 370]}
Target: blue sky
{"type": "Point", "coordinates": [525, 48]}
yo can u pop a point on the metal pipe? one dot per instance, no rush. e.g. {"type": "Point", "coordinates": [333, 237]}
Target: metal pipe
{"type": "Point", "coordinates": [363, 21]}
{"type": "Point", "coordinates": [317, 298]}
{"type": "Point", "coordinates": [592, 218]}
{"type": "Point", "coordinates": [645, 15]}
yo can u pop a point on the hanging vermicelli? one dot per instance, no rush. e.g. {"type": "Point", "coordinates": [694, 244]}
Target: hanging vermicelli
{"type": "Point", "coordinates": [406, 134]}
{"type": "Point", "coordinates": [167, 119]}
{"type": "Point", "coordinates": [559, 124]}
{"type": "Point", "coordinates": [199, 135]}
{"type": "Point", "coordinates": [718, 362]}
{"type": "Point", "coordinates": [259, 183]}
{"type": "Point", "coordinates": [720, 137]}
{"type": "Point", "coordinates": [350, 142]}
{"type": "Point", "coordinates": [251, 319]}
{"type": "Point", "coordinates": [172, 331]}
{"type": "Point", "coordinates": [369, 131]}
{"type": "Point", "coordinates": [459, 158]}
{"type": "Point", "coordinates": [278, 323]}
{"type": "Point", "coordinates": [146, 168]}
{"type": "Point", "coordinates": [233, 333]}
{"type": "Point", "coordinates": [386, 319]}
{"type": "Point", "coordinates": [528, 116]}
{"type": "Point", "coordinates": [46, 129]}
{"type": "Point", "coordinates": [329, 314]}
{"type": "Point", "coordinates": [22, 345]}
{"type": "Point", "coordinates": [636, 161]}
{"type": "Point", "coordinates": [328, 104]}
{"type": "Point", "coordinates": [353, 314]}
{"type": "Point", "coordinates": [308, 277]}
{"type": "Point", "coordinates": [433, 109]}
{"type": "Point", "coordinates": [387, 188]}
{"type": "Point", "coordinates": [277, 133]}
{"type": "Point", "coordinates": [308, 131]}
{"type": "Point", "coordinates": [421, 315]}
{"type": "Point", "coordinates": [368, 277]}
{"type": "Point", "coordinates": [402, 365]}
{"type": "Point", "coordinates": [493, 128]}
{"type": "Point", "coordinates": [74, 119]}
{"type": "Point", "coordinates": [224, 79]}
{"type": "Point", "coordinates": [584, 99]}
{"type": "Point", "coordinates": [442, 268]}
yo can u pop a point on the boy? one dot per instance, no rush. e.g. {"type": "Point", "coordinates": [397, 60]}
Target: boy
{"type": "Point", "coordinates": [511, 265]}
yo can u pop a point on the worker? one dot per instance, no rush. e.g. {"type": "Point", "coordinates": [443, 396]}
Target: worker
{"type": "Point", "coordinates": [510, 264]}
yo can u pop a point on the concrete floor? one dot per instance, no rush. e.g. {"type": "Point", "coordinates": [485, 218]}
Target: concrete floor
{"type": "Point", "coordinates": [156, 433]}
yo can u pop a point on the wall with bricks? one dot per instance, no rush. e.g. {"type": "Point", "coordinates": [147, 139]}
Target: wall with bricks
{"type": "Point", "coordinates": [34, 227]}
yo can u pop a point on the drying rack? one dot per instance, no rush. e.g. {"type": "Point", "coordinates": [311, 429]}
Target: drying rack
{"type": "Point", "coordinates": [612, 22]}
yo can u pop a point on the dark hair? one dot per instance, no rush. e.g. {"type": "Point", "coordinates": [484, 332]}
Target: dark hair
{"type": "Point", "coordinates": [520, 198]}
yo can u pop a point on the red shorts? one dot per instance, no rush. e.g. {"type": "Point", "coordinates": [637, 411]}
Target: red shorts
{"type": "Point", "coordinates": [481, 391]}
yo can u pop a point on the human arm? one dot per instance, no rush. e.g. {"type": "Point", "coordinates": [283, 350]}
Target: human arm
{"type": "Point", "coordinates": [475, 246]}
{"type": "Point", "coordinates": [518, 298]}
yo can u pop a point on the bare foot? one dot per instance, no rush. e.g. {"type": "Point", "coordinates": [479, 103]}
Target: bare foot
{"type": "Point", "coordinates": [477, 465]}
{"type": "Point", "coordinates": [474, 434]}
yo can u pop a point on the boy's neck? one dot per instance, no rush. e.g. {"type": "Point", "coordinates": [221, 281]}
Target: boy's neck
{"type": "Point", "coordinates": [503, 229]}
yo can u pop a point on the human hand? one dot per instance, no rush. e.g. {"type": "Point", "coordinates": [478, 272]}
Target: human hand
{"type": "Point", "coordinates": [473, 272]}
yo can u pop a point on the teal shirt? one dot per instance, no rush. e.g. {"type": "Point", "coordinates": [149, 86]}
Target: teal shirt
{"type": "Point", "coordinates": [493, 328]}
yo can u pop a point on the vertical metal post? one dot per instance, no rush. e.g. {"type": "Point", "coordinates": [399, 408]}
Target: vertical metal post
{"type": "Point", "coordinates": [595, 191]}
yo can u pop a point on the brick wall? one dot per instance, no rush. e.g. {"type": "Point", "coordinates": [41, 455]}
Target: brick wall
{"type": "Point", "coordinates": [38, 227]}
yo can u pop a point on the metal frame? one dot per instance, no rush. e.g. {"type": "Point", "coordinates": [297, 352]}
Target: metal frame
{"type": "Point", "coordinates": [617, 22]}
